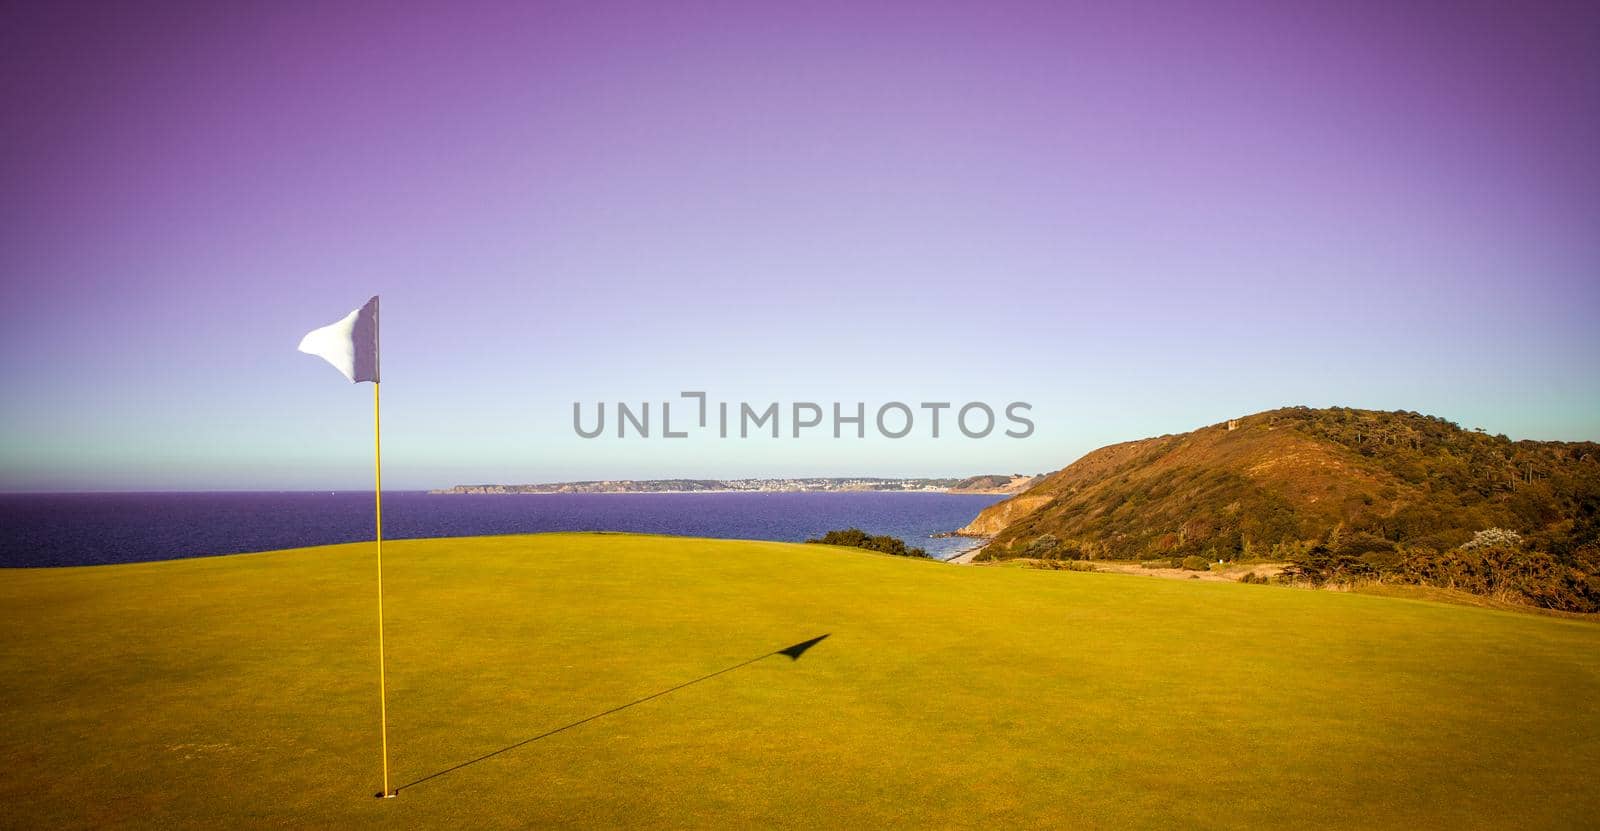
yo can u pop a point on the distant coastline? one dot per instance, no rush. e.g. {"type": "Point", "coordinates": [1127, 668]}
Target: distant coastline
{"type": "Point", "coordinates": [985, 484]}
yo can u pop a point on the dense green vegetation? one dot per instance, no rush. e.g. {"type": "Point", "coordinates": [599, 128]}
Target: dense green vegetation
{"type": "Point", "coordinates": [241, 692]}
{"type": "Point", "coordinates": [857, 538]}
{"type": "Point", "coordinates": [1496, 563]}
{"type": "Point", "coordinates": [1347, 494]}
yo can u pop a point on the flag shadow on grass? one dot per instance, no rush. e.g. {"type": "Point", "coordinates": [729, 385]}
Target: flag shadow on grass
{"type": "Point", "coordinates": [793, 653]}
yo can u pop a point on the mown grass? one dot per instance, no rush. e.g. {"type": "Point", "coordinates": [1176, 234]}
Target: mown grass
{"type": "Point", "coordinates": [241, 691]}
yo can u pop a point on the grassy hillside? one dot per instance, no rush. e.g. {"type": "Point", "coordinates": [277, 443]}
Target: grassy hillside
{"type": "Point", "coordinates": [240, 690]}
{"type": "Point", "coordinates": [1276, 483]}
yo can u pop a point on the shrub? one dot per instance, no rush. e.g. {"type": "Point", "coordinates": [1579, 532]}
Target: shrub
{"type": "Point", "coordinates": [1508, 572]}
{"type": "Point", "coordinates": [1359, 545]}
{"type": "Point", "coordinates": [1195, 563]}
{"type": "Point", "coordinates": [1493, 538]}
{"type": "Point", "coordinates": [1044, 547]}
{"type": "Point", "coordinates": [1344, 558]}
{"type": "Point", "coordinates": [1252, 577]}
{"type": "Point", "coordinates": [1061, 565]}
{"type": "Point", "coordinates": [857, 538]}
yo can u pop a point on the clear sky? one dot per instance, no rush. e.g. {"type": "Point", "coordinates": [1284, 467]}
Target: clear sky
{"type": "Point", "coordinates": [1141, 218]}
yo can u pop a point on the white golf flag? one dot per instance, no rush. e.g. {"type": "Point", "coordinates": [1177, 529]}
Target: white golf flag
{"type": "Point", "coordinates": [351, 345]}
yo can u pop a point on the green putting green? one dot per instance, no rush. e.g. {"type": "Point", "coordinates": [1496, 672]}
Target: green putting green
{"type": "Point", "coordinates": [243, 691]}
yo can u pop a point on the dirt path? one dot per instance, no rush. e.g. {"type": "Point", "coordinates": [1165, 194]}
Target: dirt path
{"type": "Point", "coordinates": [1229, 574]}
{"type": "Point", "coordinates": [965, 557]}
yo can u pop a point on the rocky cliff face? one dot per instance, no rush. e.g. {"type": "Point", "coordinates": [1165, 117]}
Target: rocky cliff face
{"type": "Point", "coordinates": [996, 517]}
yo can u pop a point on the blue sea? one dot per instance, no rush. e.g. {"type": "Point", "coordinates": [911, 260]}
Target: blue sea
{"type": "Point", "coordinates": [100, 528]}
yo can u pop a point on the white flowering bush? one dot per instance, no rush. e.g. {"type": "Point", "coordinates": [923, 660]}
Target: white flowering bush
{"type": "Point", "coordinates": [1494, 538]}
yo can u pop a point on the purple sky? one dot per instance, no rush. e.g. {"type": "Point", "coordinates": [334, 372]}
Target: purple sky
{"type": "Point", "coordinates": [1141, 218]}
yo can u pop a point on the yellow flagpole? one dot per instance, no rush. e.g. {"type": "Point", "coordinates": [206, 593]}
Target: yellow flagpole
{"type": "Point", "coordinates": [377, 493]}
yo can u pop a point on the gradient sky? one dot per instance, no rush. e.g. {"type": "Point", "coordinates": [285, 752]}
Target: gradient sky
{"type": "Point", "coordinates": [1141, 218]}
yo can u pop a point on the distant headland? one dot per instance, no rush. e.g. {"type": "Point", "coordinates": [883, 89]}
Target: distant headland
{"type": "Point", "coordinates": [994, 483]}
